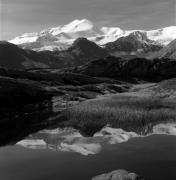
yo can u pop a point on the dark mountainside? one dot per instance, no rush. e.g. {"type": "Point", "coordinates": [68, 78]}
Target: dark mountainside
{"type": "Point", "coordinates": [83, 64]}
{"type": "Point", "coordinates": [80, 52]}
{"type": "Point", "coordinates": [13, 57]}
{"type": "Point", "coordinates": [101, 76]}
{"type": "Point", "coordinates": [140, 68]}
{"type": "Point", "coordinates": [86, 50]}
{"type": "Point", "coordinates": [20, 87]}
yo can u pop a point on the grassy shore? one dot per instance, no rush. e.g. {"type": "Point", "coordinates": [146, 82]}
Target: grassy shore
{"type": "Point", "coordinates": [131, 113]}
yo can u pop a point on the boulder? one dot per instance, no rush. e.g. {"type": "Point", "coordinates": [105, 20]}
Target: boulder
{"type": "Point", "coordinates": [118, 175]}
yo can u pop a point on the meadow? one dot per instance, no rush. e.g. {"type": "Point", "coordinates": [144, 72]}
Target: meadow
{"type": "Point", "coordinates": [131, 113]}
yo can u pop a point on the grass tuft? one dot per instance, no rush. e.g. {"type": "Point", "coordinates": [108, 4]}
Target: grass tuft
{"type": "Point", "coordinates": [127, 112]}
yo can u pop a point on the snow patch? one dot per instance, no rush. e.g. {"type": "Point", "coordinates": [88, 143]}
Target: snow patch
{"type": "Point", "coordinates": [25, 38]}
{"type": "Point", "coordinates": [163, 36]}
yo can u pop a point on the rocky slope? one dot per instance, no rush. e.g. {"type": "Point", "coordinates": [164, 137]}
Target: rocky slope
{"type": "Point", "coordinates": [167, 52]}
{"type": "Point", "coordinates": [135, 43]}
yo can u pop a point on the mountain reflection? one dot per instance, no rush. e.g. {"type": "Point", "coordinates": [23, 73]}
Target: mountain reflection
{"type": "Point", "coordinates": [42, 130]}
{"type": "Point", "coordinates": [71, 140]}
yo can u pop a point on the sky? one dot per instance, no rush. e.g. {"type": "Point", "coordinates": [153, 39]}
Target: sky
{"type": "Point", "coordinates": [20, 16]}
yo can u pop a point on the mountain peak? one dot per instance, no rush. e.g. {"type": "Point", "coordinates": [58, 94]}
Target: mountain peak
{"type": "Point", "coordinates": [80, 41]}
{"type": "Point", "coordinates": [78, 25]}
{"type": "Point", "coordinates": [85, 48]}
{"type": "Point", "coordinates": [83, 44]}
{"type": "Point", "coordinates": [138, 35]}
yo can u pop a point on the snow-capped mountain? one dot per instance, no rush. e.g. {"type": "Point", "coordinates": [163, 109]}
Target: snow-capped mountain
{"type": "Point", "coordinates": [62, 37]}
{"type": "Point", "coordinates": [58, 37]}
{"type": "Point", "coordinates": [163, 36]}
{"type": "Point", "coordinates": [167, 52]}
{"type": "Point", "coordinates": [135, 43]}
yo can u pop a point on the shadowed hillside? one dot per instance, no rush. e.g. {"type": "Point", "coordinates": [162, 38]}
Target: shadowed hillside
{"type": "Point", "coordinates": [140, 68]}
{"type": "Point", "coordinates": [82, 51]}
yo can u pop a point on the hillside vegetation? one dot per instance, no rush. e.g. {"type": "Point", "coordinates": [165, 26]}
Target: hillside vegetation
{"type": "Point", "coordinates": [130, 111]}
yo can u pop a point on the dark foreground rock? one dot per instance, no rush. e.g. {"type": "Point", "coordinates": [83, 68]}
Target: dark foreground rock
{"type": "Point", "coordinates": [118, 175]}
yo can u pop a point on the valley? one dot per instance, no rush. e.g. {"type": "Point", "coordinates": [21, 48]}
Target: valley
{"type": "Point", "coordinates": [88, 94]}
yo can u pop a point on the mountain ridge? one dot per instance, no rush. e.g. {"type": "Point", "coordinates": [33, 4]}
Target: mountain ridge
{"type": "Point", "coordinates": [168, 51]}
{"type": "Point", "coordinates": [12, 56]}
{"type": "Point", "coordinates": [135, 43]}
{"type": "Point", "coordinates": [63, 36]}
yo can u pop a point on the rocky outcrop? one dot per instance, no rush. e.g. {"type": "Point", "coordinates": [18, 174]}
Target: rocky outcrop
{"type": "Point", "coordinates": [118, 175]}
{"type": "Point", "coordinates": [168, 51]}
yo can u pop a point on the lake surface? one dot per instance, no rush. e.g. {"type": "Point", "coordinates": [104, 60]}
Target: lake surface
{"type": "Point", "coordinates": [153, 157]}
